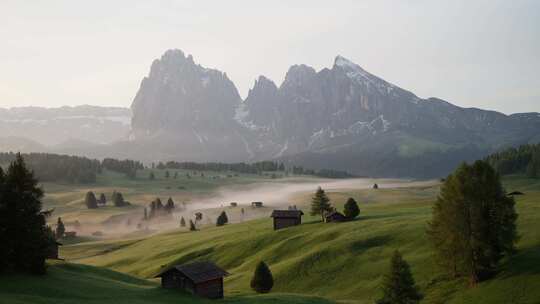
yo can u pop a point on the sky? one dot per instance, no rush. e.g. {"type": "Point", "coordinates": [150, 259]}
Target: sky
{"type": "Point", "coordinates": [483, 54]}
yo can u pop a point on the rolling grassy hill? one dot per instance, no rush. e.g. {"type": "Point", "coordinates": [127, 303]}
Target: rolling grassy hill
{"type": "Point", "coordinates": [73, 284]}
{"type": "Point", "coordinates": [342, 261]}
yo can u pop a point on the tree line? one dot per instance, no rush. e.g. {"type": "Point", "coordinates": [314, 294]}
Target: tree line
{"type": "Point", "coordinates": [522, 160]}
{"type": "Point", "coordinates": [253, 168]}
{"type": "Point", "coordinates": [58, 168]}
{"type": "Point", "coordinates": [49, 167]}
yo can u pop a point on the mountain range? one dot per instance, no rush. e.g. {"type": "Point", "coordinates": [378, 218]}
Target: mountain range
{"type": "Point", "coordinates": [341, 117]}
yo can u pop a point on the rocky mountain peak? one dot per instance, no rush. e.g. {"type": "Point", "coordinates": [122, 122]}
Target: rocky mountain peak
{"type": "Point", "coordinates": [298, 75]}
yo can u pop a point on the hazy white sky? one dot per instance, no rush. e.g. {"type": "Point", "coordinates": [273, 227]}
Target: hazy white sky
{"type": "Point", "coordinates": [472, 53]}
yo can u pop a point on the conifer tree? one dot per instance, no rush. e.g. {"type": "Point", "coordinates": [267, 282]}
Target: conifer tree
{"type": "Point", "coordinates": [262, 281]}
{"type": "Point", "coordinates": [169, 207]}
{"type": "Point", "coordinates": [351, 210]}
{"type": "Point", "coordinates": [222, 219]}
{"type": "Point", "coordinates": [151, 176]}
{"type": "Point", "coordinates": [145, 216]}
{"type": "Point", "coordinates": [24, 236]}
{"type": "Point", "coordinates": [398, 285]}
{"type": "Point", "coordinates": [320, 204]}
{"type": "Point", "coordinates": [103, 199]}
{"type": "Point", "coordinates": [474, 223]}
{"type": "Point", "coordinates": [192, 226]}
{"type": "Point", "coordinates": [90, 200]}
{"type": "Point", "coordinates": [182, 222]}
{"type": "Point", "coordinates": [167, 174]}
{"type": "Point", "coordinates": [118, 199]}
{"type": "Point", "coordinates": [60, 228]}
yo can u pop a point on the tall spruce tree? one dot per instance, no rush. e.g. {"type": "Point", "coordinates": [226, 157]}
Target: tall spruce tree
{"type": "Point", "coordinates": [182, 222]}
{"type": "Point", "coordinates": [262, 281]}
{"type": "Point", "coordinates": [351, 210]}
{"type": "Point", "coordinates": [24, 236]}
{"type": "Point", "coordinates": [398, 285]}
{"type": "Point", "coordinates": [90, 200]}
{"type": "Point", "coordinates": [320, 204]}
{"type": "Point", "coordinates": [192, 226]}
{"type": "Point", "coordinates": [169, 207]}
{"type": "Point", "coordinates": [60, 228]}
{"type": "Point", "coordinates": [474, 223]}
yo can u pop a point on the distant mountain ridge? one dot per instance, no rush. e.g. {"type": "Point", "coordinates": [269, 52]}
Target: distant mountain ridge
{"type": "Point", "coordinates": [49, 127]}
{"type": "Point", "coordinates": [341, 117]}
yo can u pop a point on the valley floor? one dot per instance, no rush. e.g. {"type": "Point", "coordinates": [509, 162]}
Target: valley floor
{"type": "Point", "coordinates": [337, 262]}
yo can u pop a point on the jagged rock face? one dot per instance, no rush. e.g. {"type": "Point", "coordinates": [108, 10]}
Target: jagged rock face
{"type": "Point", "coordinates": [188, 111]}
{"type": "Point", "coordinates": [341, 118]}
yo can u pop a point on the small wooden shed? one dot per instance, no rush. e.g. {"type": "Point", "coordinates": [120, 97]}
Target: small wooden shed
{"type": "Point", "coordinates": [286, 218]}
{"type": "Point", "coordinates": [334, 216]}
{"type": "Point", "coordinates": [204, 279]}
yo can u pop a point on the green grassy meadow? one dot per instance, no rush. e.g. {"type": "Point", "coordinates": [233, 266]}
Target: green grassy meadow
{"type": "Point", "coordinates": [334, 262]}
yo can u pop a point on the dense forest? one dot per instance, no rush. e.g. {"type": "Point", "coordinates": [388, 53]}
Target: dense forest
{"type": "Point", "coordinates": [53, 167]}
{"type": "Point", "coordinates": [522, 160]}
{"type": "Point", "coordinates": [71, 169]}
{"type": "Point", "coordinates": [253, 168]}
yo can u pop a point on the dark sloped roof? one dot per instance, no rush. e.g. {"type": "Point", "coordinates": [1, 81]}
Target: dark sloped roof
{"type": "Point", "coordinates": [335, 214]}
{"type": "Point", "coordinates": [287, 213]}
{"type": "Point", "coordinates": [198, 272]}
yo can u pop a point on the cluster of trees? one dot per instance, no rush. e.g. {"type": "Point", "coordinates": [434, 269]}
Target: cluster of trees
{"type": "Point", "coordinates": [127, 166]}
{"type": "Point", "coordinates": [24, 237]}
{"type": "Point", "coordinates": [328, 173]}
{"type": "Point", "coordinates": [58, 168]}
{"type": "Point", "coordinates": [252, 168]}
{"type": "Point", "coordinates": [92, 202]}
{"type": "Point", "coordinates": [522, 160]}
{"type": "Point", "coordinates": [158, 209]}
{"type": "Point", "coordinates": [320, 205]}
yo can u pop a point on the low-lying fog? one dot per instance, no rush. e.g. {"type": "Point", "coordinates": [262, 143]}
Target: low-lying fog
{"type": "Point", "coordinates": [274, 195]}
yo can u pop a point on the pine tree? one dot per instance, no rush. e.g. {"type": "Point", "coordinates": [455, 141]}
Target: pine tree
{"type": "Point", "coordinates": [24, 236]}
{"type": "Point", "coordinates": [320, 204]}
{"type": "Point", "coordinates": [151, 176]}
{"type": "Point", "coordinates": [222, 219]}
{"type": "Point", "coordinates": [192, 226]}
{"type": "Point", "coordinates": [145, 216]}
{"type": "Point", "coordinates": [398, 285]}
{"type": "Point", "coordinates": [175, 175]}
{"type": "Point", "coordinates": [262, 281]}
{"type": "Point", "coordinates": [90, 200]}
{"type": "Point", "coordinates": [182, 222]}
{"type": "Point", "coordinates": [351, 210]}
{"type": "Point", "coordinates": [474, 223]}
{"type": "Point", "coordinates": [60, 228]}
{"type": "Point", "coordinates": [167, 174]}
{"type": "Point", "coordinates": [169, 207]}
{"type": "Point", "coordinates": [103, 199]}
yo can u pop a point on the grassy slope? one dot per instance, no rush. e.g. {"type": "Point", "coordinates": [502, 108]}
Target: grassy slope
{"type": "Point", "coordinates": [338, 261]}
{"type": "Point", "coordinates": [71, 283]}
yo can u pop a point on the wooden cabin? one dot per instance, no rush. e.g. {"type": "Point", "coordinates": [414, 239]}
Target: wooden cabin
{"type": "Point", "coordinates": [334, 216]}
{"type": "Point", "coordinates": [52, 251]}
{"type": "Point", "coordinates": [204, 279]}
{"type": "Point", "coordinates": [256, 204]}
{"type": "Point", "coordinates": [286, 218]}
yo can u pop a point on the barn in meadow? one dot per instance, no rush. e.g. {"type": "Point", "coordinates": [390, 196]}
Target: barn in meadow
{"type": "Point", "coordinates": [286, 218]}
{"type": "Point", "coordinates": [204, 279]}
